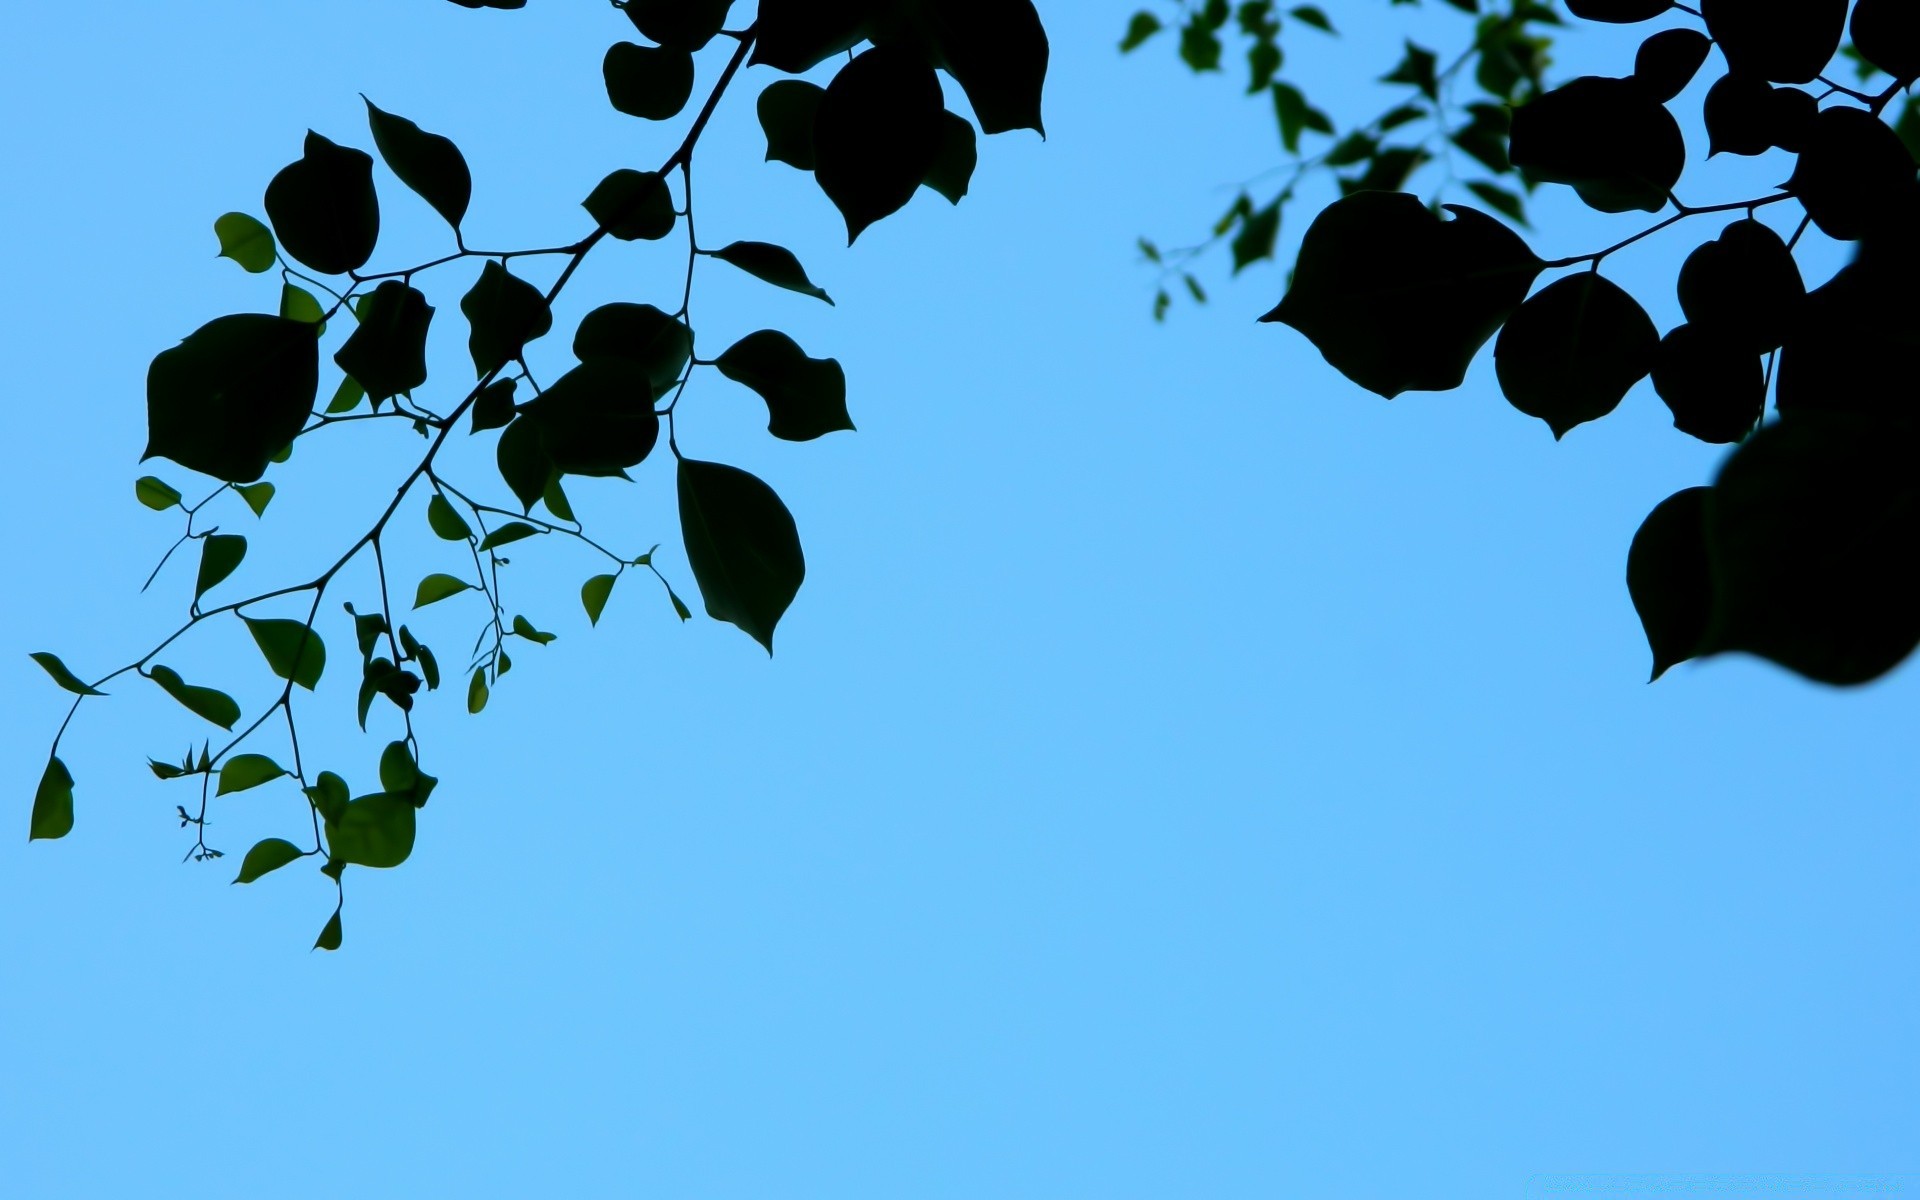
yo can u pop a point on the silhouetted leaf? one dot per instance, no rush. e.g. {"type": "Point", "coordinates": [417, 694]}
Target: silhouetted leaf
{"type": "Point", "coordinates": [437, 587]}
{"type": "Point", "coordinates": [650, 82]}
{"type": "Point", "coordinates": [742, 545]}
{"type": "Point", "coordinates": [426, 162]}
{"type": "Point", "coordinates": [597, 419]}
{"type": "Point", "coordinates": [997, 51]}
{"type": "Point", "coordinates": [215, 706]}
{"type": "Point", "coordinates": [685, 24]}
{"type": "Point", "coordinates": [806, 397]}
{"type": "Point", "coordinates": [1715, 388]}
{"type": "Point", "coordinates": [1852, 348]}
{"type": "Point", "coordinates": [505, 312]}
{"type": "Point", "coordinates": [1787, 41]}
{"type": "Point", "coordinates": [1744, 287]}
{"type": "Point", "coordinates": [51, 664]}
{"type": "Point", "coordinates": [1397, 299]}
{"type": "Point", "coordinates": [952, 171]}
{"type": "Point", "coordinates": [155, 493]}
{"type": "Point", "coordinates": [1887, 34]}
{"type": "Point", "coordinates": [523, 461]}
{"type": "Point", "coordinates": [1813, 532]}
{"type": "Point", "coordinates": [52, 817]}
{"type": "Point", "coordinates": [329, 938]}
{"type": "Point", "coordinates": [231, 395]}
{"type": "Point", "coordinates": [266, 856]}
{"type": "Point", "coordinates": [387, 353]}
{"type": "Point", "coordinates": [1668, 61]}
{"type": "Point", "coordinates": [324, 209]}
{"type": "Point", "coordinates": [244, 771]}
{"type": "Point", "coordinates": [246, 241]}
{"type": "Point", "coordinates": [637, 333]}
{"type": "Point", "coordinates": [446, 522]}
{"type": "Point", "coordinates": [1669, 577]}
{"type": "Point", "coordinates": [1618, 12]}
{"type": "Point", "coordinates": [1571, 352]}
{"type": "Point", "coordinates": [1855, 176]}
{"type": "Point", "coordinates": [632, 206]}
{"type": "Point", "coordinates": [798, 35]}
{"type": "Point", "coordinates": [493, 407]}
{"type": "Point", "coordinates": [1617, 147]}
{"type": "Point", "coordinates": [787, 110]}
{"type": "Point", "coordinates": [773, 264]}
{"type": "Point", "coordinates": [1739, 115]}
{"type": "Point", "coordinates": [293, 650]}
{"type": "Point", "coordinates": [877, 134]}
{"type": "Point", "coordinates": [593, 596]}
{"type": "Point", "coordinates": [220, 556]}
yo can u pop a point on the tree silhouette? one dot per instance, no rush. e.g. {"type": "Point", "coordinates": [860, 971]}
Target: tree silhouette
{"type": "Point", "coordinates": [237, 395]}
{"type": "Point", "coordinates": [1803, 550]}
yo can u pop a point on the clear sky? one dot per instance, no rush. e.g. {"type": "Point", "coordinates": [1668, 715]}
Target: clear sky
{"type": "Point", "coordinates": [1183, 774]}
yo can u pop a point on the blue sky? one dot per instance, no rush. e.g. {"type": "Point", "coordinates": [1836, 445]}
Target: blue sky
{"type": "Point", "coordinates": [1183, 774]}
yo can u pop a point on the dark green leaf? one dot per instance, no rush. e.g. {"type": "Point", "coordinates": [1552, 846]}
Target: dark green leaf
{"type": "Point", "coordinates": [257, 496]}
{"type": "Point", "coordinates": [232, 395]}
{"type": "Point", "coordinates": [266, 856]}
{"type": "Point", "coordinates": [346, 397]}
{"type": "Point", "coordinates": [742, 545]}
{"type": "Point", "coordinates": [806, 397]}
{"type": "Point", "coordinates": [52, 804]}
{"type": "Point", "coordinates": [787, 110]}
{"type": "Point", "coordinates": [220, 556]}
{"type": "Point", "coordinates": [1419, 69]}
{"type": "Point", "coordinates": [952, 170]}
{"type": "Point", "coordinates": [293, 650]}
{"type": "Point", "coordinates": [593, 596]}
{"type": "Point", "coordinates": [524, 628]}
{"type": "Point", "coordinates": [368, 629]}
{"type": "Point", "coordinates": [298, 304]}
{"type": "Point", "coordinates": [477, 691]}
{"type": "Point", "coordinates": [1255, 240]}
{"type": "Point", "coordinates": [329, 795]}
{"type": "Point", "coordinates": [597, 419]}
{"type": "Point", "coordinates": [437, 587]}
{"type": "Point", "coordinates": [324, 207]}
{"type": "Point", "coordinates": [1199, 46]}
{"type": "Point", "coordinates": [51, 664]}
{"type": "Point", "coordinates": [1499, 199]}
{"type": "Point", "coordinates": [1308, 14]}
{"type": "Point", "coordinates": [244, 771]}
{"type": "Point", "coordinates": [632, 206]}
{"type": "Point", "coordinates": [155, 493]}
{"type": "Point", "coordinates": [329, 938]}
{"type": "Point", "coordinates": [445, 521]}
{"type": "Point", "coordinates": [1143, 26]}
{"type": "Point", "coordinates": [507, 534]}
{"type": "Point", "coordinates": [524, 462]}
{"type": "Point", "coordinates": [877, 134]}
{"type": "Point", "coordinates": [650, 82]}
{"type": "Point", "coordinates": [245, 241]}
{"type": "Point", "coordinates": [640, 334]}
{"type": "Point", "coordinates": [387, 353]}
{"type": "Point", "coordinates": [505, 312]}
{"type": "Point", "coordinates": [774, 264]}
{"type": "Point", "coordinates": [401, 776]}
{"type": "Point", "coordinates": [493, 407]}
{"type": "Point", "coordinates": [373, 831]}
{"type": "Point", "coordinates": [426, 162]}
{"type": "Point", "coordinates": [215, 706]}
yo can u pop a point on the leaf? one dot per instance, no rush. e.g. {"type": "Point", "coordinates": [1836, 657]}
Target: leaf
{"type": "Point", "coordinates": [445, 522]}
{"type": "Point", "coordinates": [51, 664]}
{"type": "Point", "coordinates": [997, 50]}
{"type": "Point", "coordinates": [52, 817]}
{"type": "Point", "coordinates": [806, 397]}
{"type": "Point", "coordinates": [298, 304]}
{"type": "Point", "coordinates": [324, 209]}
{"type": "Point", "coordinates": [952, 170]}
{"type": "Point", "coordinates": [1572, 351]}
{"type": "Point", "coordinates": [787, 110]}
{"type": "Point", "coordinates": [1418, 68]}
{"type": "Point", "coordinates": [165, 771]}
{"type": "Point", "coordinates": [1739, 116]}
{"type": "Point", "coordinates": [684, 24]}
{"type": "Point", "coordinates": [1255, 240]}
{"type": "Point", "coordinates": [798, 35]}
{"type": "Point", "coordinates": [555, 498]}
{"type": "Point", "coordinates": [1850, 346]}
{"type": "Point", "coordinates": [523, 461]}
{"type": "Point", "coordinates": [477, 691]}
{"type": "Point", "coordinates": [594, 594]}
{"type": "Point", "coordinates": [426, 162]}
{"type": "Point", "coordinates": [597, 419]}
{"type": "Point", "coordinates": [649, 82]}
{"type": "Point", "coordinates": [742, 545]}
{"type": "Point", "coordinates": [387, 353]}
{"type": "Point", "coordinates": [437, 587]}
{"type": "Point", "coordinates": [1142, 26]}
{"type": "Point", "coordinates": [507, 534]}
{"type": "Point", "coordinates": [640, 334]}
{"type": "Point", "coordinates": [244, 771]}
{"type": "Point", "coordinates": [1744, 287]}
{"type": "Point", "coordinates": [524, 628]}
{"type": "Point", "coordinates": [1669, 577]}
{"type": "Point", "coordinates": [877, 134]}
{"type": "Point", "coordinates": [257, 496]}
{"type": "Point", "coordinates": [1499, 199]}
{"type": "Point", "coordinates": [632, 206]}
{"type": "Point", "coordinates": [1715, 388]}
{"type": "Point", "coordinates": [373, 831]}
{"type": "Point", "coordinates": [1618, 12]}
{"type": "Point", "coordinates": [368, 629]}
{"type": "Point", "coordinates": [1768, 39]}
{"type": "Point", "coordinates": [266, 856]}
{"type": "Point", "coordinates": [1308, 14]}
{"type": "Point", "coordinates": [1397, 299]}
{"type": "Point", "coordinates": [220, 556]}
{"type": "Point", "coordinates": [346, 397]}
{"type": "Point", "coordinates": [155, 493]}
{"type": "Point", "coordinates": [401, 776]}
{"type": "Point", "coordinates": [493, 407]}
{"type": "Point", "coordinates": [245, 241]}
{"type": "Point", "coordinates": [1887, 34]}
{"type": "Point", "coordinates": [329, 795]}
{"type": "Point", "coordinates": [292, 649]}
{"type": "Point", "coordinates": [329, 938]}
{"type": "Point", "coordinates": [1855, 176]}
{"type": "Point", "coordinates": [1616, 146]}
{"type": "Point", "coordinates": [228, 398]}
{"type": "Point", "coordinates": [215, 706]}
{"type": "Point", "coordinates": [504, 312]}
{"type": "Point", "coordinates": [1811, 533]}
{"type": "Point", "coordinates": [772, 264]}
{"type": "Point", "coordinates": [1667, 62]}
